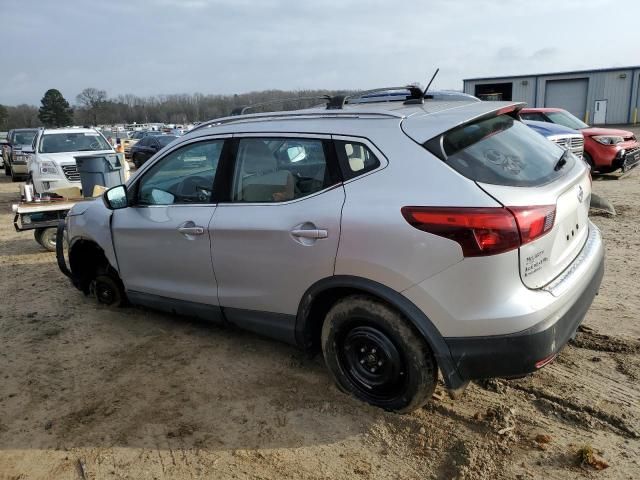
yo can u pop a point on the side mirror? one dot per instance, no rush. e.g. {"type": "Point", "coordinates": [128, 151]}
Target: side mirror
{"type": "Point", "coordinates": [116, 198]}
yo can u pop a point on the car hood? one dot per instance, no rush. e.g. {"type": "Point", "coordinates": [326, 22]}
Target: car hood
{"type": "Point", "coordinates": [71, 156]}
{"type": "Point", "coordinates": [592, 131]}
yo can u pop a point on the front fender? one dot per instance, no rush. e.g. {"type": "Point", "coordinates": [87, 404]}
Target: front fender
{"type": "Point", "coordinates": [91, 220]}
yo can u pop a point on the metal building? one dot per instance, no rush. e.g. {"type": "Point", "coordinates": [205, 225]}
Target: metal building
{"type": "Point", "coordinates": [602, 96]}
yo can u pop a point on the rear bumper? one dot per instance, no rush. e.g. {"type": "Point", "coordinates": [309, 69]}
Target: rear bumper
{"type": "Point", "coordinates": [524, 352]}
{"type": "Point", "coordinates": [19, 168]}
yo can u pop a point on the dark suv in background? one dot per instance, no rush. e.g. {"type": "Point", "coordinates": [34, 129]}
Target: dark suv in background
{"type": "Point", "coordinates": [15, 161]}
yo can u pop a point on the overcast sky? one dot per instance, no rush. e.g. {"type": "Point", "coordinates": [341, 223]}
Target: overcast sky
{"type": "Point", "coordinates": [149, 47]}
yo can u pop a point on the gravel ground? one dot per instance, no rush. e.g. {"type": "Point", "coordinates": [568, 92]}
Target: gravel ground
{"type": "Point", "coordinates": [89, 392]}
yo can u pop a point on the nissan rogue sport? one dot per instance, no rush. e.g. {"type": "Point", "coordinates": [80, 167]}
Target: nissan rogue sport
{"type": "Point", "coordinates": [402, 238]}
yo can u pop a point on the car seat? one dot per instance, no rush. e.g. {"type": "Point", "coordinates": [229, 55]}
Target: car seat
{"type": "Point", "coordinates": [260, 180]}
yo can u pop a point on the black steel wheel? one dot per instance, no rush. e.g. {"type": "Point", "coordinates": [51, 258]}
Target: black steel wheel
{"type": "Point", "coordinates": [372, 362]}
{"type": "Point", "coordinates": [107, 291]}
{"type": "Point", "coordinates": [374, 354]}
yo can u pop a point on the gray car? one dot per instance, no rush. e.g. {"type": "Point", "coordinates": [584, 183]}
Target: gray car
{"type": "Point", "coordinates": [401, 239]}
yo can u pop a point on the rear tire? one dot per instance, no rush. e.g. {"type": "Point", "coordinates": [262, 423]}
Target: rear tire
{"type": "Point", "coordinates": [37, 234]}
{"type": "Point", "coordinates": [587, 158]}
{"type": "Point", "coordinates": [373, 354]}
{"type": "Point", "coordinates": [135, 161]}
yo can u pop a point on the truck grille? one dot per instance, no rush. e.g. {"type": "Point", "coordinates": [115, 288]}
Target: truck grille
{"type": "Point", "coordinates": [575, 144]}
{"type": "Point", "coordinates": [71, 172]}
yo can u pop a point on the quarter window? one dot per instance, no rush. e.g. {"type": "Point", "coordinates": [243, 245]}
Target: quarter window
{"type": "Point", "coordinates": [279, 169]}
{"type": "Point", "coordinates": [355, 159]}
{"type": "Point", "coordinates": [184, 176]}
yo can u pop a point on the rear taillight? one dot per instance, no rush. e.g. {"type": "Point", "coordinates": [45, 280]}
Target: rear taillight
{"type": "Point", "coordinates": [483, 231]}
{"type": "Point", "coordinates": [533, 222]}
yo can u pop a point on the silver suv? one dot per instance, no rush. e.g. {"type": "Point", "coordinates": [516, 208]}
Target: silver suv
{"type": "Point", "coordinates": [401, 238]}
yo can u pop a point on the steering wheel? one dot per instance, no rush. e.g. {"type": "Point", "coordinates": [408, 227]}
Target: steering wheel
{"type": "Point", "coordinates": [194, 188]}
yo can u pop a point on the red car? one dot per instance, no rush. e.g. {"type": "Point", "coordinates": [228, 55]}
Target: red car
{"type": "Point", "coordinates": [605, 149]}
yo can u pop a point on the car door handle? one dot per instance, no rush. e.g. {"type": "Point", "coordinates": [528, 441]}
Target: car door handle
{"type": "Point", "coordinates": [190, 228]}
{"type": "Point", "coordinates": [313, 233]}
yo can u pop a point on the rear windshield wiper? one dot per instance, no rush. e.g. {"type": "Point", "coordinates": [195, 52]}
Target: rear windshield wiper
{"type": "Point", "coordinates": [561, 161]}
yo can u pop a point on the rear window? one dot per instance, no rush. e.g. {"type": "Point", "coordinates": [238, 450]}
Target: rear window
{"type": "Point", "coordinates": [501, 151]}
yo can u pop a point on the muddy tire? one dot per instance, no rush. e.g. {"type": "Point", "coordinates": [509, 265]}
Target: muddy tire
{"type": "Point", "coordinates": [108, 291]}
{"type": "Point", "coordinates": [46, 237]}
{"type": "Point", "coordinates": [373, 354]}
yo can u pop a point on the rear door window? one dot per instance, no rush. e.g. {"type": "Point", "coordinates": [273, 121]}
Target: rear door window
{"type": "Point", "coordinates": [501, 150]}
{"type": "Point", "coordinates": [271, 170]}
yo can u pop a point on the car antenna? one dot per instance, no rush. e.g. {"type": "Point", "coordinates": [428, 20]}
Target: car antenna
{"type": "Point", "coordinates": [431, 81]}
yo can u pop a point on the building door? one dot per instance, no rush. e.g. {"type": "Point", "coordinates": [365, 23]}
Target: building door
{"type": "Point", "coordinates": [600, 112]}
{"type": "Point", "coordinates": [569, 94]}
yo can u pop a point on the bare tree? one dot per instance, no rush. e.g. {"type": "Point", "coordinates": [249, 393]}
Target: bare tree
{"type": "Point", "coordinates": [92, 100]}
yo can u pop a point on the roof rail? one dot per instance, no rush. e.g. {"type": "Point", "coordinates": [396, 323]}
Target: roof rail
{"type": "Point", "coordinates": [287, 114]}
{"type": "Point", "coordinates": [416, 96]}
{"type": "Point", "coordinates": [243, 109]}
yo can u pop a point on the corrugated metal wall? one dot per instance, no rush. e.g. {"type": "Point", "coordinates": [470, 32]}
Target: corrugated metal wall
{"type": "Point", "coordinates": [621, 89]}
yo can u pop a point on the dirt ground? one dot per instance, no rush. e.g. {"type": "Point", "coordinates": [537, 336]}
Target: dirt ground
{"type": "Point", "coordinates": [88, 392]}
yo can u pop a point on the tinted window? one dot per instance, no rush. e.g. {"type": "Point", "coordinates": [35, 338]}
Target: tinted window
{"type": "Point", "coordinates": [279, 169]}
{"type": "Point", "coordinates": [539, 117]}
{"type": "Point", "coordinates": [501, 151]}
{"type": "Point", "coordinates": [143, 143]}
{"type": "Point", "coordinates": [165, 140]}
{"type": "Point", "coordinates": [73, 142]}
{"type": "Point", "coordinates": [566, 119]}
{"type": "Point", "coordinates": [24, 138]}
{"type": "Point", "coordinates": [355, 159]}
{"type": "Point", "coordinates": [184, 176]}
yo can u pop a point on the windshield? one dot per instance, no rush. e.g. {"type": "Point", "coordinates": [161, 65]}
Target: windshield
{"type": "Point", "coordinates": [73, 142]}
{"type": "Point", "coordinates": [501, 151]}
{"type": "Point", "coordinates": [24, 138]}
{"type": "Point", "coordinates": [566, 119]}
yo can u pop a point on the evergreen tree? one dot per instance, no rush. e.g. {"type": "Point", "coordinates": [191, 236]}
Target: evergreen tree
{"type": "Point", "coordinates": [55, 110]}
